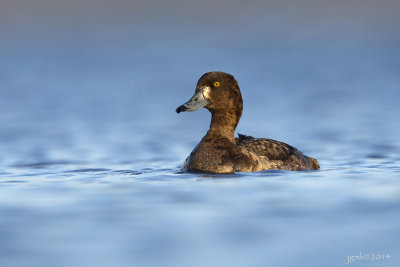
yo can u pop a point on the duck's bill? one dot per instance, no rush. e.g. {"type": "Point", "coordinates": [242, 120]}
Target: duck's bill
{"type": "Point", "coordinates": [197, 101]}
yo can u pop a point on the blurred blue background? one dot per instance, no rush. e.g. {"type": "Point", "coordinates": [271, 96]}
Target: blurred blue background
{"type": "Point", "coordinates": [91, 145]}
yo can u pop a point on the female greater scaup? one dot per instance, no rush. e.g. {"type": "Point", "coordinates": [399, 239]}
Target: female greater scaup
{"type": "Point", "coordinates": [219, 151]}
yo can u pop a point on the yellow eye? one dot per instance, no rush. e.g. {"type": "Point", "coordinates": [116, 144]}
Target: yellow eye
{"type": "Point", "coordinates": [216, 84]}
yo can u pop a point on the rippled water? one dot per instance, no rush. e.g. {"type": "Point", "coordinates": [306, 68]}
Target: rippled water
{"type": "Point", "coordinates": [91, 147]}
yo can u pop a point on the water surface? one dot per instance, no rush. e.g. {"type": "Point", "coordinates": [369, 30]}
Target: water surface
{"type": "Point", "coordinates": [91, 145]}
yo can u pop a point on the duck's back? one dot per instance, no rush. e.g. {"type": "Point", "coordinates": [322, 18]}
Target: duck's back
{"type": "Point", "coordinates": [275, 154]}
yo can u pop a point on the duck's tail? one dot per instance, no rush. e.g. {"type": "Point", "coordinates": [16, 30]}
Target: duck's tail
{"type": "Point", "coordinates": [313, 163]}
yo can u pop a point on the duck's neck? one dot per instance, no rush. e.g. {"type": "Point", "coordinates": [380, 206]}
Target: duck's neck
{"type": "Point", "coordinates": [224, 124]}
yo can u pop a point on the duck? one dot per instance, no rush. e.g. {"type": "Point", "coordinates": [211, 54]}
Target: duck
{"type": "Point", "coordinates": [219, 152]}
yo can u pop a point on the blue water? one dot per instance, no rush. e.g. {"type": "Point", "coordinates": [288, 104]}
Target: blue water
{"type": "Point", "coordinates": [90, 144]}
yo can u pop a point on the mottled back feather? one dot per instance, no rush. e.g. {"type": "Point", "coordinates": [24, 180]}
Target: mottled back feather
{"type": "Point", "coordinates": [272, 149]}
{"type": "Point", "coordinates": [285, 156]}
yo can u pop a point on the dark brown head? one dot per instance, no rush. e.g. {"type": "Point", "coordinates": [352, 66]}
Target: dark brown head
{"type": "Point", "coordinates": [218, 92]}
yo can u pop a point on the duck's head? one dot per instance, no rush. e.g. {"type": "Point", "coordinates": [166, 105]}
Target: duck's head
{"type": "Point", "coordinates": [218, 92]}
